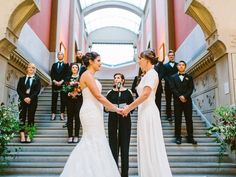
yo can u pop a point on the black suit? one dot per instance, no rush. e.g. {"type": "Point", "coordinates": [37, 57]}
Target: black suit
{"type": "Point", "coordinates": [73, 109]}
{"type": "Point", "coordinates": [182, 88]}
{"type": "Point", "coordinates": [32, 94]}
{"type": "Point", "coordinates": [169, 71]}
{"type": "Point", "coordinates": [161, 72]}
{"type": "Point", "coordinates": [134, 85]}
{"type": "Point", "coordinates": [58, 74]}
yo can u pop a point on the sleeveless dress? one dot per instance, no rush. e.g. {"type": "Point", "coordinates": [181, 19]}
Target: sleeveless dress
{"type": "Point", "coordinates": [152, 157]}
{"type": "Point", "coordinates": [92, 156]}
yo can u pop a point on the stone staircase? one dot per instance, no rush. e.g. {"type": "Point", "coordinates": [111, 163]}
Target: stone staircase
{"type": "Point", "coordinates": [48, 153]}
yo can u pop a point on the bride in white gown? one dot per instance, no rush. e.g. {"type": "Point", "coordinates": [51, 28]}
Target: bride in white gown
{"type": "Point", "coordinates": [152, 157]}
{"type": "Point", "coordinates": [92, 156]}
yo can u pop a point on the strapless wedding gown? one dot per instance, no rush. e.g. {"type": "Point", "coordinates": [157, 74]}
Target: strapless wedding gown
{"type": "Point", "coordinates": [92, 156]}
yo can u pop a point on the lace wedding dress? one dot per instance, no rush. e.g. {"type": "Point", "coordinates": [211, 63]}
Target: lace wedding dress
{"type": "Point", "coordinates": [92, 156]}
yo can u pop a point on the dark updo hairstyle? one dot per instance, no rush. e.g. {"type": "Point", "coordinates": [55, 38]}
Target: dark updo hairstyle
{"type": "Point", "coordinates": [149, 55]}
{"type": "Point", "coordinates": [89, 56]}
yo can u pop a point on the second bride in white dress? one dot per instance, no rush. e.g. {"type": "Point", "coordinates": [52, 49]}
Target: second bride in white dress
{"type": "Point", "coordinates": [152, 157]}
{"type": "Point", "coordinates": [92, 156]}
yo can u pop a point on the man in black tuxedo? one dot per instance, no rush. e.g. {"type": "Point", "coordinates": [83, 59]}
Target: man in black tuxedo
{"type": "Point", "coordinates": [182, 88]}
{"type": "Point", "coordinates": [28, 89]}
{"type": "Point", "coordinates": [58, 73]}
{"type": "Point", "coordinates": [170, 69]}
{"type": "Point", "coordinates": [159, 67]}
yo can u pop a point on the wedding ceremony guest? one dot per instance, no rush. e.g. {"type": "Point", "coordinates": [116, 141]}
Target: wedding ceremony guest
{"type": "Point", "coordinates": [92, 155]}
{"type": "Point", "coordinates": [59, 72]}
{"type": "Point", "coordinates": [28, 89]}
{"type": "Point", "coordinates": [182, 88]}
{"type": "Point", "coordinates": [170, 69]}
{"type": "Point", "coordinates": [159, 67]}
{"type": "Point", "coordinates": [119, 128]}
{"type": "Point", "coordinates": [79, 61]}
{"type": "Point", "coordinates": [74, 103]}
{"type": "Point", "coordinates": [152, 156]}
{"type": "Point", "coordinates": [136, 82]}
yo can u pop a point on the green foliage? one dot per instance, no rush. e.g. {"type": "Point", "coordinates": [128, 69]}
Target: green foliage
{"type": "Point", "coordinates": [31, 131]}
{"type": "Point", "coordinates": [9, 127]}
{"type": "Point", "coordinates": [225, 126]}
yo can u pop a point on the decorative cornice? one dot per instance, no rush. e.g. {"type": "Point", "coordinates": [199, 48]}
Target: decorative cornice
{"type": "Point", "coordinates": [20, 63]}
{"type": "Point", "coordinates": [202, 64]}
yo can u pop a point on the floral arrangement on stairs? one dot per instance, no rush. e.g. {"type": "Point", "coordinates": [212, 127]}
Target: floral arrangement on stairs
{"type": "Point", "coordinates": [225, 127]}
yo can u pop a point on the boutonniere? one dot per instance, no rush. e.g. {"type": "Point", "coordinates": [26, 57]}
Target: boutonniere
{"type": "Point", "coordinates": [33, 78]}
{"type": "Point", "coordinates": [186, 78]}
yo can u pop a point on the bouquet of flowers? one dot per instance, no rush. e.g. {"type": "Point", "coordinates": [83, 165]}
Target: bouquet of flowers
{"type": "Point", "coordinates": [72, 87]}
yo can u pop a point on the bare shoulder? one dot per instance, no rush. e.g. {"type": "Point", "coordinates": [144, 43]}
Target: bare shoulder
{"type": "Point", "coordinates": [86, 76]}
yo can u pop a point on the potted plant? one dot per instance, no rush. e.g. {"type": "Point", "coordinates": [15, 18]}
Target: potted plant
{"type": "Point", "coordinates": [225, 127]}
{"type": "Point", "coordinates": [9, 127]}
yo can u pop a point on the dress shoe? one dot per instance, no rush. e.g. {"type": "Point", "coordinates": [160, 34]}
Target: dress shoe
{"type": "Point", "coordinates": [75, 139]}
{"type": "Point", "coordinates": [70, 140]}
{"type": "Point", "coordinates": [191, 140]}
{"type": "Point", "coordinates": [178, 141]}
{"type": "Point", "coordinates": [28, 140]}
{"type": "Point", "coordinates": [62, 116]}
{"type": "Point", "coordinates": [53, 116]}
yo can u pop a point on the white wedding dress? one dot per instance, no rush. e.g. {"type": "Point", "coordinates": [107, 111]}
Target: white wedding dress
{"type": "Point", "coordinates": [92, 156]}
{"type": "Point", "coordinates": [152, 157]}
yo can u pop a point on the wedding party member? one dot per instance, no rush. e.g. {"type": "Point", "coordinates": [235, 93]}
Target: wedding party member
{"type": "Point", "coordinates": [182, 88]}
{"type": "Point", "coordinates": [170, 69]}
{"type": "Point", "coordinates": [92, 156]}
{"type": "Point", "coordinates": [28, 89]}
{"type": "Point", "coordinates": [136, 82]}
{"type": "Point", "coordinates": [79, 62]}
{"type": "Point", "coordinates": [119, 128]}
{"type": "Point", "coordinates": [159, 67]}
{"type": "Point", "coordinates": [58, 74]}
{"type": "Point", "coordinates": [74, 103]}
{"type": "Point", "coordinates": [152, 157]}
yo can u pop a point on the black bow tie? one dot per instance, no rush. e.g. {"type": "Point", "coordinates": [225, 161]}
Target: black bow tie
{"type": "Point", "coordinates": [181, 74]}
{"type": "Point", "coordinates": [171, 62]}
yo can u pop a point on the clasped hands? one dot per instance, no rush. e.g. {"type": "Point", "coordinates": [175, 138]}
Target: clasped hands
{"type": "Point", "coordinates": [123, 111]}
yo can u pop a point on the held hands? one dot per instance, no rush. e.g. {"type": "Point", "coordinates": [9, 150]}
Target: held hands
{"type": "Point", "coordinates": [27, 100]}
{"type": "Point", "coordinates": [182, 99]}
{"type": "Point", "coordinates": [123, 111]}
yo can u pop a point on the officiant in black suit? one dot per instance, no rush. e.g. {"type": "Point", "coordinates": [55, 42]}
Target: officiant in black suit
{"type": "Point", "coordinates": [170, 69]}
{"type": "Point", "coordinates": [182, 88]}
{"type": "Point", "coordinates": [58, 75]}
{"type": "Point", "coordinates": [159, 67]}
{"type": "Point", "coordinates": [28, 89]}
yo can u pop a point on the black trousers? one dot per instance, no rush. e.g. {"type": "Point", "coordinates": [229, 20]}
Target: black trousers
{"type": "Point", "coordinates": [119, 130]}
{"type": "Point", "coordinates": [73, 121]}
{"type": "Point", "coordinates": [169, 96]}
{"type": "Point", "coordinates": [55, 93]}
{"type": "Point", "coordinates": [186, 108]}
{"type": "Point", "coordinates": [27, 112]}
{"type": "Point", "coordinates": [158, 101]}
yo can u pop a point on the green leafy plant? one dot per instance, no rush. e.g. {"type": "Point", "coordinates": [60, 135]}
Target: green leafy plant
{"type": "Point", "coordinates": [31, 131]}
{"type": "Point", "coordinates": [9, 127]}
{"type": "Point", "coordinates": [225, 127]}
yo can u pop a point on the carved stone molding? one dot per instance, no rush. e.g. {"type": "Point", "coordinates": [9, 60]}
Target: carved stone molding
{"type": "Point", "coordinates": [202, 64]}
{"type": "Point", "coordinates": [201, 15]}
{"type": "Point", "coordinates": [19, 16]}
{"type": "Point", "coordinates": [20, 63]}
